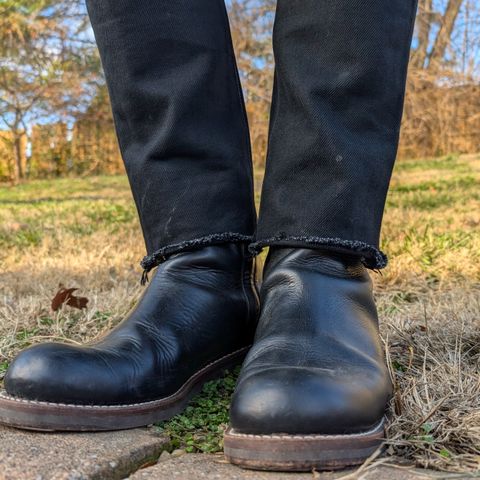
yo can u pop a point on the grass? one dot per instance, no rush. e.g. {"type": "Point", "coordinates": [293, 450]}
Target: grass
{"type": "Point", "coordinates": [200, 427]}
{"type": "Point", "coordinates": [84, 233]}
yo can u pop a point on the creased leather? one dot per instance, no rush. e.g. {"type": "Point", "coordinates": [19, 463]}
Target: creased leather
{"type": "Point", "coordinates": [198, 307]}
{"type": "Point", "coordinates": [317, 365]}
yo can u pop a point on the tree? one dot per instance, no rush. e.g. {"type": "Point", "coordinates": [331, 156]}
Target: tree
{"type": "Point", "coordinates": [251, 23]}
{"type": "Point", "coordinates": [434, 27]}
{"type": "Point", "coordinates": [46, 64]}
{"type": "Point", "coordinates": [424, 22]}
{"type": "Point", "coordinates": [94, 145]}
{"type": "Point", "coordinates": [443, 37]}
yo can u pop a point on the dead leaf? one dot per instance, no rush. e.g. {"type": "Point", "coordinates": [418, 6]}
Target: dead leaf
{"type": "Point", "coordinates": [65, 295]}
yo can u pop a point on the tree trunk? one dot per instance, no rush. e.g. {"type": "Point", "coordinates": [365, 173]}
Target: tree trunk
{"type": "Point", "coordinates": [443, 37]}
{"type": "Point", "coordinates": [28, 159]}
{"type": "Point", "coordinates": [19, 174]}
{"type": "Point", "coordinates": [424, 23]}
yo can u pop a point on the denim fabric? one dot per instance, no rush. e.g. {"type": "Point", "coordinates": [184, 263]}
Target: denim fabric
{"type": "Point", "coordinates": [180, 120]}
{"type": "Point", "coordinates": [337, 104]}
{"type": "Point", "coordinates": [336, 110]}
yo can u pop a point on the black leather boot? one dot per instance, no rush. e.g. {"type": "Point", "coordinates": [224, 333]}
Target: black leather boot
{"type": "Point", "coordinates": [196, 318]}
{"type": "Point", "coordinates": [313, 389]}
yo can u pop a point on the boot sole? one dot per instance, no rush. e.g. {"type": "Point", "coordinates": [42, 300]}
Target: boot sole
{"type": "Point", "coordinates": [301, 453]}
{"type": "Point", "coordinates": [48, 416]}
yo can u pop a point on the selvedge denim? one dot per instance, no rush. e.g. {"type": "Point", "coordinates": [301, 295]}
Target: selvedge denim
{"type": "Point", "coordinates": [180, 118]}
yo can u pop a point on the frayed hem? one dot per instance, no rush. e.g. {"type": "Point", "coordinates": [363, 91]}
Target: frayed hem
{"type": "Point", "coordinates": [372, 257]}
{"type": "Point", "coordinates": [159, 256]}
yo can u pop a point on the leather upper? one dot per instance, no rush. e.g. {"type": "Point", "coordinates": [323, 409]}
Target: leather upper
{"type": "Point", "coordinates": [317, 365]}
{"type": "Point", "coordinates": [198, 307]}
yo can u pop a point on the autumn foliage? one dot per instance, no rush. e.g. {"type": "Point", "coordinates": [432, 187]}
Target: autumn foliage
{"type": "Point", "coordinates": [55, 118]}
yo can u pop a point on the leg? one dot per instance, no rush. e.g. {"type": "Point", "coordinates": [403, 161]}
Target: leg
{"type": "Point", "coordinates": [314, 387]}
{"type": "Point", "coordinates": [183, 134]}
{"type": "Point", "coordinates": [180, 120]}
{"type": "Point", "coordinates": [337, 105]}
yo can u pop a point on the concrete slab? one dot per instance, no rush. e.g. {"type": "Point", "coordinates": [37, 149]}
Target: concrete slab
{"type": "Point", "coordinates": [77, 456]}
{"type": "Point", "coordinates": [215, 467]}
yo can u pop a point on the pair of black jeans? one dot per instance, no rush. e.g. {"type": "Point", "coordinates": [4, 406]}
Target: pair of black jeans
{"type": "Point", "coordinates": [180, 118]}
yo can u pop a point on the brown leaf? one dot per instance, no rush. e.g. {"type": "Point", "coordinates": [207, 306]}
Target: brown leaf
{"type": "Point", "coordinates": [77, 302]}
{"type": "Point", "coordinates": [65, 295]}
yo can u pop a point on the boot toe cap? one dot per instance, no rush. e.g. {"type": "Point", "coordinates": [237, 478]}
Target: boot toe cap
{"type": "Point", "coordinates": [309, 401]}
{"type": "Point", "coordinates": [51, 372]}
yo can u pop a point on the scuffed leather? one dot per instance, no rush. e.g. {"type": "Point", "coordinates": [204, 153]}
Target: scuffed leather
{"type": "Point", "coordinates": [198, 307]}
{"type": "Point", "coordinates": [317, 365]}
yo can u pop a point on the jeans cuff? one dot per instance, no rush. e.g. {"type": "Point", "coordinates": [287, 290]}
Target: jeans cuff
{"type": "Point", "coordinates": [160, 255]}
{"type": "Point", "coordinates": [371, 256]}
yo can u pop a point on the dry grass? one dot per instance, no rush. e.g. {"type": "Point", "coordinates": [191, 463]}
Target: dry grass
{"type": "Point", "coordinates": [429, 302]}
{"type": "Point", "coordinates": [88, 239]}
{"type": "Point", "coordinates": [84, 233]}
{"type": "Point", "coordinates": [433, 347]}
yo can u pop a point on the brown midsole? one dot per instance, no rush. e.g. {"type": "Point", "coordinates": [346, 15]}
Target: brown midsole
{"type": "Point", "coordinates": [49, 416]}
{"type": "Point", "coordinates": [284, 452]}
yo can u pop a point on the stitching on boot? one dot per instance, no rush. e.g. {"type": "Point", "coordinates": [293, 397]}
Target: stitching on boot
{"type": "Point", "coordinates": [159, 256]}
{"type": "Point", "coordinates": [5, 396]}
{"type": "Point", "coordinates": [311, 436]}
{"type": "Point", "coordinates": [372, 257]}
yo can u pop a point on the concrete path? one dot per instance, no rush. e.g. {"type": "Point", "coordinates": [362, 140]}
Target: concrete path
{"type": "Point", "coordinates": [140, 455]}
{"type": "Point", "coordinates": [79, 456]}
{"type": "Point", "coordinates": [215, 467]}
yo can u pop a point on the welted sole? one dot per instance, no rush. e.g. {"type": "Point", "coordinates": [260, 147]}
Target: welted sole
{"type": "Point", "coordinates": [299, 453]}
{"type": "Point", "coordinates": [47, 416]}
